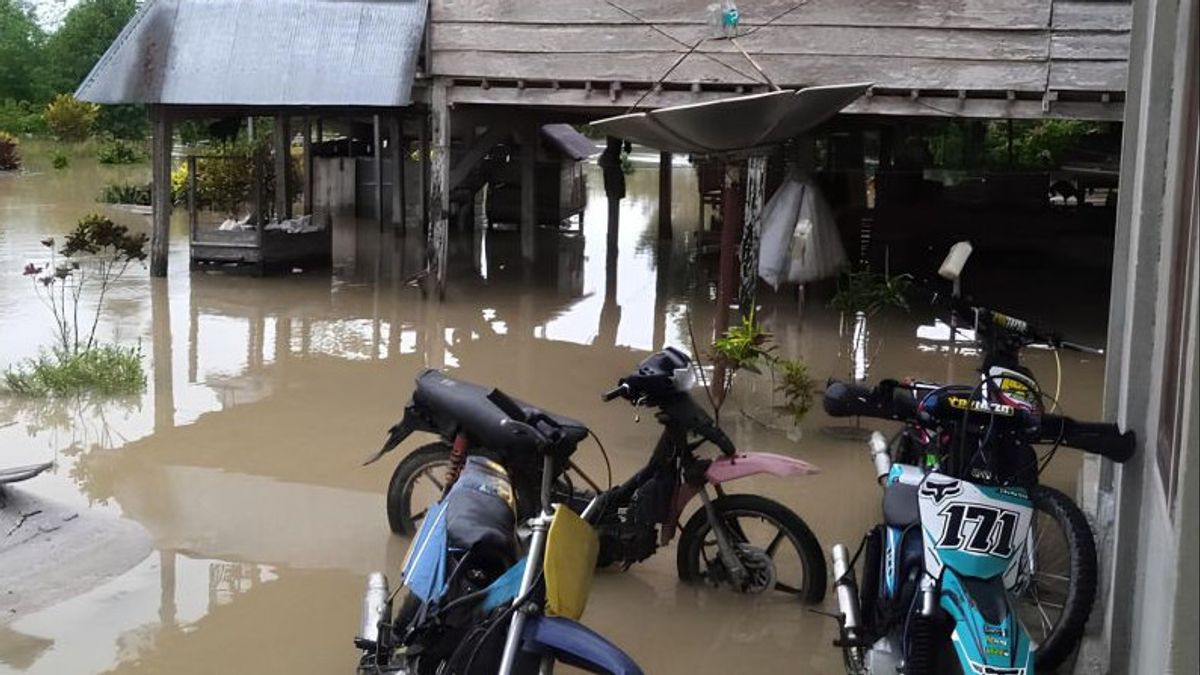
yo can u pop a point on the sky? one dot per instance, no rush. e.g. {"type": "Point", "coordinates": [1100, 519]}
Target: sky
{"type": "Point", "coordinates": [51, 12]}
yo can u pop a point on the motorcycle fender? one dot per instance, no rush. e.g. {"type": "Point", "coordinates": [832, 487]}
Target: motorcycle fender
{"type": "Point", "coordinates": [987, 636]}
{"type": "Point", "coordinates": [576, 645]}
{"type": "Point", "coordinates": [724, 469]}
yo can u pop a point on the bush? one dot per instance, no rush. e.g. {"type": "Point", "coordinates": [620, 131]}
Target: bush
{"type": "Point", "coordinates": [10, 152]}
{"type": "Point", "coordinates": [69, 118]}
{"type": "Point", "coordinates": [59, 159]}
{"type": "Point", "coordinates": [20, 117]}
{"type": "Point", "coordinates": [126, 193]}
{"type": "Point", "coordinates": [107, 370]}
{"type": "Point", "coordinates": [225, 177]}
{"type": "Point", "coordinates": [119, 151]}
{"type": "Point", "coordinates": [124, 121]}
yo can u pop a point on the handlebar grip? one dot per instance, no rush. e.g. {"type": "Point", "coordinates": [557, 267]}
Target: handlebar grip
{"type": "Point", "coordinates": [614, 393]}
{"type": "Point", "coordinates": [845, 399]}
{"type": "Point", "coordinates": [1100, 438]}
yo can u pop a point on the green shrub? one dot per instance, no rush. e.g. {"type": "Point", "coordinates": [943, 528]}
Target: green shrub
{"type": "Point", "coordinates": [59, 159]}
{"type": "Point", "coordinates": [106, 370]}
{"type": "Point", "coordinates": [870, 292]}
{"type": "Point", "coordinates": [10, 152]}
{"type": "Point", "coordinates": [126, 193]}
{"type": "Point", "coordinates": [69, 118]}
{"type": "Point", "coordinates": [119, 151]}
{"type": "Point", "coordinates": [20, 117]}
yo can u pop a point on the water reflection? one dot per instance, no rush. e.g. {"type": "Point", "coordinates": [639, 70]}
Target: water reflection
{"type": "Point", "coordinates": [243, 459]}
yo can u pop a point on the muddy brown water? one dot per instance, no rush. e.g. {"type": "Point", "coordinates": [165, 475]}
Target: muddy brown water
{"type": "Point", "coordinates": [243, 457]}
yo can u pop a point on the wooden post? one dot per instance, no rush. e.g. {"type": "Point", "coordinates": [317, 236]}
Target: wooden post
{"type": "Point", "coordinates": [423, 178]}
{"type": "Point", "coordinates": [395, 136]}
{"type": "Point", "coordinates": [439, 196]}
{"type": "Point", "coordinates": [377, 150]}
{"type": "Point", "coordinates": [308, 166]}
{"type": "Point", "coordinates": [161, 197]}
{"type": "Point", "coordinates": [193, 216]}
{"type": "Point", "coordinates": [529, 211]}
{"type": "Point", "coordinates": [733, 199]}
{"type": "Point", "coordinates": [664, 196]}
{"type": "Point", "coordinates": [755, 195]}
{"type": "Point", "coordinates": [283, 201]}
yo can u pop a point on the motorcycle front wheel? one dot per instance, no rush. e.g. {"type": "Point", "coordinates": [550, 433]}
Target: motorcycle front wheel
{"type": "Point", "coordinates": [761, 528]}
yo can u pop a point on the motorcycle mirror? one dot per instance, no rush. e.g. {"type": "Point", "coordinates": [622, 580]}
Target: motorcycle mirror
{"type": "Point", "coordinates": [955, 261]}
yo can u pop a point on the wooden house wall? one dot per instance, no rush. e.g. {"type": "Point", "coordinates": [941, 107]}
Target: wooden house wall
{"type": "Point", "coordinates": [974, 45]}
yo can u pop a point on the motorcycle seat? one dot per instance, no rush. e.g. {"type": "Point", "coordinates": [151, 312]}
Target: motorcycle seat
{"type": "Point", "coordinates": [900, 505]}
{"type": "Point", "coordinates": [479, 412]}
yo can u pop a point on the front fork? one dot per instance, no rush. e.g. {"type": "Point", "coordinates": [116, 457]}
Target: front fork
{"type": "Point", "coordinates": [726, 547]}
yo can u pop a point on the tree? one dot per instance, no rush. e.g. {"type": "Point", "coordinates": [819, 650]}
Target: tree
{"type": "Point", "coordinates": [20, 41]}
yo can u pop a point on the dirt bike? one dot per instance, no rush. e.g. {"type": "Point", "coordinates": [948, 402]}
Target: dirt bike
{"type": "Point", "coordinates": [734, 540]}
{"type": "Point", "coordinates": [474, 604]}
{"type": "Point", "coordinates": [940, 575]}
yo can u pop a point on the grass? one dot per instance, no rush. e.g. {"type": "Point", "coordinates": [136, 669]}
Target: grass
{"type": "Point", "coordinates": [106, 370]}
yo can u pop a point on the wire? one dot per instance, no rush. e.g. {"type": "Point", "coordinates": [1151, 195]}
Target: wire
{"type": "Point", "coordinates": [775, 18]}
{"type": "Point", "coordinates": [1058, 379]}
{"type": "Point", "coordinates": [604, 454]}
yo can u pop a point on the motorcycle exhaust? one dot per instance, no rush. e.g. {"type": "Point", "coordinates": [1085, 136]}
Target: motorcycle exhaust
{"type": "Point", "coordinates": [374, 603]}
{"type": "Point", "coordinates": [847, 592]}
{"type": "Point", "coordinates": [880, 456]}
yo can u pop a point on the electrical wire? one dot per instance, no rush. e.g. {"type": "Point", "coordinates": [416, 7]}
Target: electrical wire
{"type": "Point", "coordinates": [1058, 379]}
{"type": "Point", "coordinates": [604, 454]}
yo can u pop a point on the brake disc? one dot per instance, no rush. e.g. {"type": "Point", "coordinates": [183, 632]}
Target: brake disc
{"type": "Point", "coordinates": [760, 569]}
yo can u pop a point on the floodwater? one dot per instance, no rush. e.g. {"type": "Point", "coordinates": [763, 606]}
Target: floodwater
{"type": "Point", "coordinates": [243, 457]}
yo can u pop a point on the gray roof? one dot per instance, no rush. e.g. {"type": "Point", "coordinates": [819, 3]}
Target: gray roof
{"type": "Point", "coordinates": [263, 52]}
{"type": "Point", "coordinates": [568, 141]}
{"type": "Point", "coordinates": [733, 124]}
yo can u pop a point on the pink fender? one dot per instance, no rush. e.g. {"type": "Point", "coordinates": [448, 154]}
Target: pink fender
{"type": "Point", "coordinates": [725, 469]}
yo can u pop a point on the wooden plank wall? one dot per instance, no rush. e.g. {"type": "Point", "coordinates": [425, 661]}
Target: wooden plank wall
{"type": "Point", "coordinates": [992, 45]}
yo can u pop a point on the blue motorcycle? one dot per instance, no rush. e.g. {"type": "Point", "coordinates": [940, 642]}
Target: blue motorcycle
{"type": "Point", "coordinates": [940, 574]}
{"type": "Point", "coordinates": [482, 595]}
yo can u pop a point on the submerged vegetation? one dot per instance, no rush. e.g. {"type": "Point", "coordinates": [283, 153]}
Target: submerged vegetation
{"type": "Point", "coordinates": [105, 370]}
{"type": "Point", "coordinates": [119, 151]}
{"type": "Point", "coordinates": [870, 292]}
{"type": "Point", "coordinates": [70, 119]}
{"type": "Point", "coordinates": [126, 193]}
{"type": "Point", "coordinates": [747, 346]}
{"type": "Point", "coordinates": [95, 255]}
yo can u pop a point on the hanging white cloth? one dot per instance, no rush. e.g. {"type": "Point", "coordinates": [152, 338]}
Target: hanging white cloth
{"type": "Point", "coordinates": [799, 242]}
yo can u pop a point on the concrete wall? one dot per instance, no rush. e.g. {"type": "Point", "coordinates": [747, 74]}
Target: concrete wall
{"type": "Point", "coordinates": [1148, 539]}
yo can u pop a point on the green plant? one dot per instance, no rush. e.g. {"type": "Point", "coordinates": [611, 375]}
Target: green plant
{"type": "Point", "coordinates": [869, 292]}
{"type": "Point", "coordinates": [126, 193]}
{"type": "Point", "coordinates": [747, 346]}
{"type": "Point", "coordinates": [21, 117]}
{"type": "Point", "coordinates": [107, 370]}
{"type": "Point", "coordinates": [119, 151]}
{"type": "Point", "coordinates": [97, 253]}
{"type": "Point", "coordinates": [225, 176]}
{"type": "Point", "coordinates": [10, 152]}
{"type": "Point", "coordinates": [59, 159]}
{"type": "Point", "coordinates": [69, 118]}
{"type": "Point", "coordinates": [796, 386]}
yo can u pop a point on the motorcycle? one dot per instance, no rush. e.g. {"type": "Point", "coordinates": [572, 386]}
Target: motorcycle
{"type": "Point", "coordinates": [732, 540]}
{"type": "Point", "coordinates": [474, 604]}
{"type": "Point", "coordinates": [957, 542]}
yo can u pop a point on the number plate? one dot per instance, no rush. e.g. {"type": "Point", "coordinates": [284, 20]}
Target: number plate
{"type": "Point", "coordinates": [976, 530]}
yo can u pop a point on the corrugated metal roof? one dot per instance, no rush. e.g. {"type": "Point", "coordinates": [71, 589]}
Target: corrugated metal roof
{"type": "Point", "coordinates": [733, 124]}
{"type": "Point", "coordinates": [263, 52]}
{"type": "Point", "coordinates": [570, 142]}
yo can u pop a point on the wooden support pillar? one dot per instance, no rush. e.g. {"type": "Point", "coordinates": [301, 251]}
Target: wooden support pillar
{"type": "Point", "coordinates": [423, 178]}
{"type": "Point", "coordinates": [755, 194]}
{"type": "Point", "coordinates": [308, 166]}
{"type": "Point", "coordinates": [160, 233]}
{"type": "Point", "coordinates": [529, 145]}
{"type": "Point", "coordinates": [377, 151]}
{"type": "Point", "coordinates": [396, 153]}
{"type": "Point", "coordinates": [439, 195]}
{"type": "Point", "coordinates": [283, 200]}
{"type": "Point", "coordinates": [664, 196]}
{"type": "Point", "coordinates": [733, 201]}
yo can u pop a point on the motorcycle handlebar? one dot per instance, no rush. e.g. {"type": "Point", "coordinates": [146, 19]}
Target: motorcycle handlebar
{"type": "Point", "coordinates": [1100, 438]}
{"type": "Point", "coordinates": [620, 391]}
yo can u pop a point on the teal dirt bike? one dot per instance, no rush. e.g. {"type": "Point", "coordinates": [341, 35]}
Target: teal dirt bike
{"type": "Point", "coordinates": [941, 574]}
